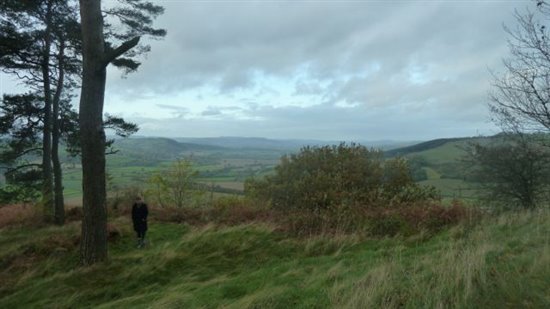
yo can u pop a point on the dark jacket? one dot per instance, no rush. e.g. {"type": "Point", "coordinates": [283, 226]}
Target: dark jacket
{"type": "Point", "coordinates": [139, 216]}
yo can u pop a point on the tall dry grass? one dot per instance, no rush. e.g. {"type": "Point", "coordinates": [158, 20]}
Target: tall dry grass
{"type": "Point", "coordinates": [19, 214]}
{"type": "Point", "coordinates": [447, 279]}
{"type": "Point", "coordinates": [483, 265]}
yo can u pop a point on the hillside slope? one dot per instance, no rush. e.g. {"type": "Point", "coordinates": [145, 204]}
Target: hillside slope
{"type": "Point", "coordinates": [441, 163]}
{"type": "Point", "coordinates": [155, 149]}
{"type": "Point", "coordinates": [502, 262]}
{"type": "Point", "coordinates": [424, 146]}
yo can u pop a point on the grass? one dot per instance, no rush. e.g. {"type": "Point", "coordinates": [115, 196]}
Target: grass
{"type": "Point", "coordinates": [235, 185]}
{"type": "Point", "coordinates": [449, 152]}
{"type": "Point", "coordinates": [451, 188]}
{"type": "Point", "coordinates": [502, 262]}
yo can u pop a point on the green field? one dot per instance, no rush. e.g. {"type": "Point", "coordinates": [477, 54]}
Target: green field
{"type": "Point", "coordinates": [444, 166]}
{"type": "Point", "coordinates": [137, 159]}
{"type": "Point", "coordinates": [501, 262]}
{"type": "Point", "coordinates": [227, 168]}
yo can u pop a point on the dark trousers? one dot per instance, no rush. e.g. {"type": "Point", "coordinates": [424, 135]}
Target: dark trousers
{"type": "Point", "coordinates": [141, 234]}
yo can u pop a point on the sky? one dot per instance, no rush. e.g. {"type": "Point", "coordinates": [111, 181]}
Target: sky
{"type": "Point", "coordinates": [326, 70]}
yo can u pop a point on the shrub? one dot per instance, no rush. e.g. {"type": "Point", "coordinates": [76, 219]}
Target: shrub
{"type": "Point", "coordinates": [193, 216]}
{"type": "Point", "coordinates": [223, 211]}
{"type": "Point", "coordinates": [411, 219]}
{"type": "Point", "coordinates": [321, 178]}
{"type": "Point", "coordinates": [511, 171]}
{"type": "Point", "coordinates": [237, 210]}
{"type": "Point", "coordinates": [120, 203]}
{"type": "Point", "coordinates": [388, 224]}
{"type": "Point", "coordinates": [19, 214]}
{"type": "Point", "coordinates": [21, 186]}
{"type": "Point", "coordinates": [176, 186]}
{"type": "Point", "coordinates": [73, 214]}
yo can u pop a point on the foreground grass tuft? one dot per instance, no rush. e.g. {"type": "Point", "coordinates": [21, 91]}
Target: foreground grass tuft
{"type": "Point", "coordinates": [501, 262]}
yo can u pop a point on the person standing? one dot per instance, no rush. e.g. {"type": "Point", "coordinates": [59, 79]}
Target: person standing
{"type": "Point", "coordinates": [139, 218]}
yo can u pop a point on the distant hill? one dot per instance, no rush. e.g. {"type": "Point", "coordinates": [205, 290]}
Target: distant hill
{"type": "Point", "coordinates": [438, 163]}
{"type": "Point", "coordinates": [151, 150]}
{"type": "Point", "coordinates": [282, 144]}
{"type": "Point", "coordinates": [422, 146]}
{"type": "Point", "coordinates": [388, 144]}
{"type": "Point", "coordinates": [252, 142]}
{"type": "Point", "coordinates": [160, 145]}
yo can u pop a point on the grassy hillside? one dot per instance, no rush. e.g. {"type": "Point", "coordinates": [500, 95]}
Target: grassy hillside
{"type": "Point", "coordinates": [441, 159]}
{"type": "Point", "coordinates": [502, 262]}
{"type": "Point", "coordinates": [424, 146]}
{"type": "Point", "coordinates": [151, 151]}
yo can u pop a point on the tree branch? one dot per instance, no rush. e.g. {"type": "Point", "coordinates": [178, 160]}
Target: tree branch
{"type": "Point", "coordinates": [114, 53]}
{"type": "Point", "coordinates": [11, 170]}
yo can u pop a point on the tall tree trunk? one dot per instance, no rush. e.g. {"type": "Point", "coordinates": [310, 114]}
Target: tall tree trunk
{"type": "Point", "coordinates": [59, 209]}
{"type": "Point", "coordinates": [47, 184]}
{"type": "Point", "coordinates": [93, 247]}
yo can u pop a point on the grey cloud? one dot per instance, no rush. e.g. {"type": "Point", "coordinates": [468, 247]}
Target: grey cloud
{"type": "Point", "coordinates": [221, 43]}
{"type": "Point", "coordinates": [177, 111]}
{"type": "Point", "coordinates": [235, 79]}
{"type": "Point", "coordinates": [329, 48]}
{"type": "Point", "coordinates": [401, 64]}
{"type": "Point", "coordinates": [220, 110]}
{"type": "Point", "coordinates": [211, 112]}
{"type": "Point", "coordinates": [308, 88]}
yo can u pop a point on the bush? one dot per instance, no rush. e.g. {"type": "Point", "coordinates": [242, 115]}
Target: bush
{"type": "Point", "coordinates": [21, 187]}
{"type": "Point", "coordinates": [19, 214]}
{"type": "Point", "coordinates": [375, 221]}
{"type": "Point", "coordinates": [321, 178]}
{"type": "Point", "coordinates": [412, 219]}
{"type": "Point", "coordinates": [176, 186]}
{"type": "Point", "coordinates": [511, 171]}
{"type": "Point", "coordinates": [73, 214]}
{"type": "Point", "coordinates": [121, 201]}
{"type": "Point", "coordinates": [223, 211]}
{"type": "Point", "coordinates": [387, 225]}
{"type": "Point", "coordinates": [193, 216]}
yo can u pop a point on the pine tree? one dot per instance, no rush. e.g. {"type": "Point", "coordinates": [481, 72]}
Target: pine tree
{"type": "Point", "coordinates": [98, 51]}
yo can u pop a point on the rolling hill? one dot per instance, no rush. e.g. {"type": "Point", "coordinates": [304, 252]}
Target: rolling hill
{"type": "Point", "coordinates": [152, 150]}
{"type": "Point", "coordinates": [424, 146]}
{"type": "Point", "coordinates": [442, 164]}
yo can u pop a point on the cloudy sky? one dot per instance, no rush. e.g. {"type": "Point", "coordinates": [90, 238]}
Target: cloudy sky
{"type": "Point", "coordinates": [329, 70]}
